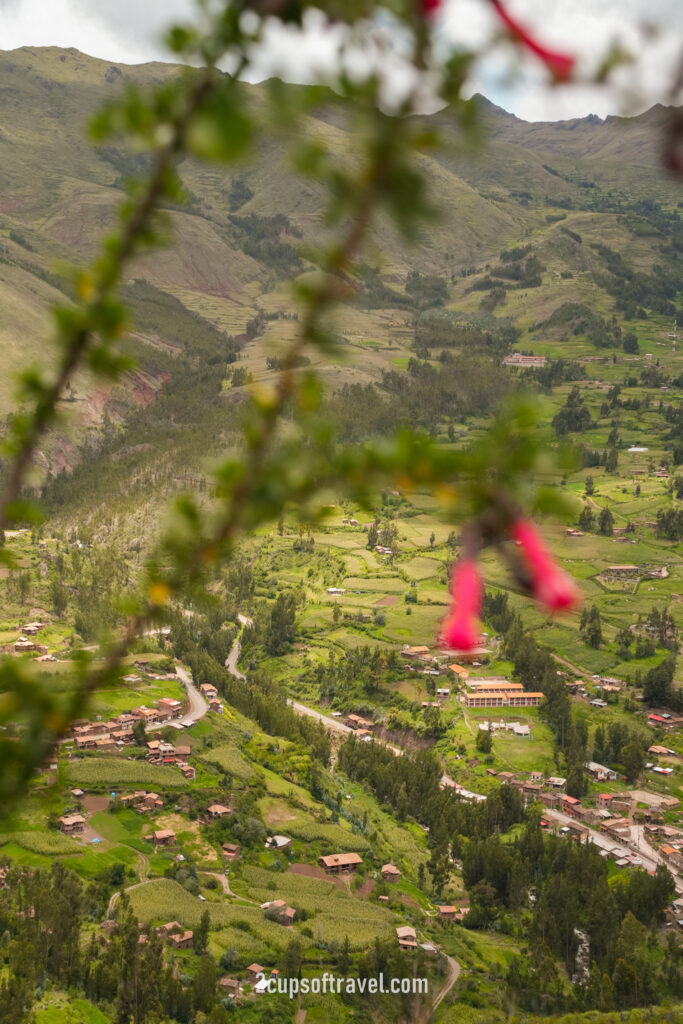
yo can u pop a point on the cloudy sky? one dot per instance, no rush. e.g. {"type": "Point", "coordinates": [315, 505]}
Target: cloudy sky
{"type": "Point", "coordinates": [129, 31]}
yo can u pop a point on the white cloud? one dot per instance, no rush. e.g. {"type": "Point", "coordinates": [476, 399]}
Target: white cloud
{"type": "Point", "coordinates": [129, 31]}
{"type": "Point", "coordinates": [652, 32]}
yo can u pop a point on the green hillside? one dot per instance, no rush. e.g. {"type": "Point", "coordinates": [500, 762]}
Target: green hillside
{"type": "Point", "coordinates": [555, 240]}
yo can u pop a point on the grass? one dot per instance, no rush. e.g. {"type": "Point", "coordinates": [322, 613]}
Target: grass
{"type": "Point", "coordinates": [57, 1007]}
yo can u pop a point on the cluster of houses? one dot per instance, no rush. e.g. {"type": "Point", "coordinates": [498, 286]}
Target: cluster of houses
{"type": "Point", "coordinates": [609, 811]}
{"type": "Point", "coordinates": [665, 720]}
{"type": "Point", "coordinates": [24, 645]}
{"type": "Point", "coordinates": [634, 573]}
{"type": "Point", "coordinates": [210, 694]}
{"type": "Point", "coordinates": [277, 910]}
{"type": "Point", "coordinates": [668, 841]}
{"type": "Point", "coordinates": [362, 727]}
{"type": "Point", "coordinates": [117, 732]}
{"type": "Point", "coordinates": [142, 801]}
{"type": "Point", "coordinates": [161, 752]}
{"type": "Point", "coordinates": [177, 937]}
{"type": "Point", "coordinates": [421, 659]}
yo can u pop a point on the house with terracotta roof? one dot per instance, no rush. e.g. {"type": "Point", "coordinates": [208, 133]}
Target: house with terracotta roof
{"type": "Point", "coordinates": [407, 937]}
{"type": "Point", "coordinates": [253, 972]}
{"type": "Point", "coordinates": [390, 873]}
{"type": "Point", "coordinates": [175, 707]}
{"type": "Point", "coordinates": [230, 987]}
{"type": "Point", "coordinates": [71, 824]}
{"type": "Point", "coordinates": [569, 804]}
{"type": "Point", "coordinates": [164, 837]}
{"type": "Point", "coordinates": [358, 722]}
{"type": "Point", "coordinates": [460, 671]}
{"type": "Point", "coordinates": [340, 863]}
{"type": "Point", "coordinates": [216, 811]}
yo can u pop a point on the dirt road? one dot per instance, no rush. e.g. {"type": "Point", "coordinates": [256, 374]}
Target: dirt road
{"type": "Point", "coordinates": [452, 976]}
{"type": "Point", "coordinates": [223, 881]}
{"type": "Point", "coordinates": [114, 898]}
{"type": "Point", "coordinates": [573, 668]}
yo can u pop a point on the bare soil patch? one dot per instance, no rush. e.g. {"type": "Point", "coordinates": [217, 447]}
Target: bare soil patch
{"type": "Point", "coordinates": [388, 601]}
{"type": "Point", "coordinates": [93, 803]}
{"type": "Point", "coordinates": [201, 851]}
{"type": "Point", "coordinates": [87, 835]}
{"type": "Point", "coordinates": [310, 871]}
{"type": "Point", "coordinates": [366, 888]}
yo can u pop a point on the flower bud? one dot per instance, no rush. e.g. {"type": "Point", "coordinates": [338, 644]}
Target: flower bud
{"type": "Point", "coordinates": [560, 65]}
{"type": "Point", "coordinates": [460, 629]}
{"type": "Point", "coordinates": [551, 586]}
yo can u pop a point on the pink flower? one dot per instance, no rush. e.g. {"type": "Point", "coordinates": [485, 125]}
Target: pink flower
{"type": "Point", "coordinates": [460, 628]}
{"type": "Point", "coordinates": [560, 65]}
{"type": "Point", "coordinates": [428, 8]}
{"type": "Point", "coordinates": [552, 587]}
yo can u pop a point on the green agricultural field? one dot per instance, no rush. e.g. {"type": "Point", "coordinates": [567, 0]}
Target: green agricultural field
{"type": "Point", "coordinates": [49, 844]}
{"type": "Point", "coordinates": [421, 568]}
{"type": "Point", "coordinates": [164, 900]}
{"type": "Point", "coordinates": [20, 855]}
{"type": "Point", "coordinates": [101, 857]}
{"type": "Point", "coordinates": [230, 760]}
{"type": "Point", "coordinates": [362, 929]}
{"type": "Point", "coordinates": [310, 894]}
{"type": "Point", "coordinates": [333, 837]}
{"type": "Point", "coordinates": [106, 772]}
{"type": "Point", "coordinates": [125, 826]}
{"type": "Point", "coordinates": [375, 585]}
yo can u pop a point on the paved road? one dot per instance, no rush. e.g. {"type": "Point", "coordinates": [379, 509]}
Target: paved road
{"type": "Point", "coordinates": [644, 849]}
{"type": "Point", "coordinates": [335, 724]}
{"type": "Point", "coordinates": [236, 650]}
{"type": "Point", "coordinates": [638, 845]}
{"type": "Point", "coordinates": [197, 706]}
{"type": "Point", "coordinates": [650, 858]}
